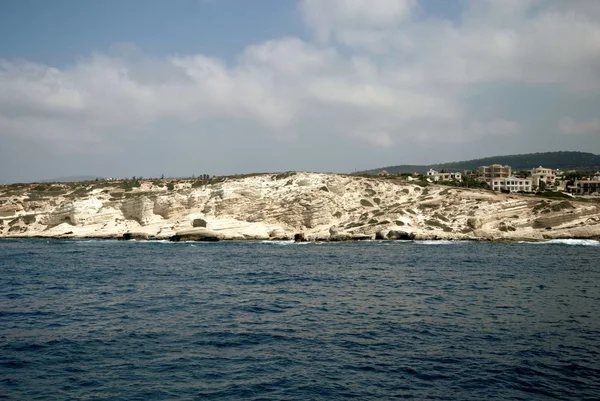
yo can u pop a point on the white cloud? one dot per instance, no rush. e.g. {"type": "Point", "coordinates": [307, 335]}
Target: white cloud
{"type": "Point", "coordinates": [381, 72]}
{"type": "Point", "coordinates": [512, 40]}
{"type": "Point", "coordinates": [340, 18]}
{"type": "Point", "coordinates": [499, 127]}
{"type": "Point", "coordinates": [570, 126]}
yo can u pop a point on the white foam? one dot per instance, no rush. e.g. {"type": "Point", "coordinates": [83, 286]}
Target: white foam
{"type": "Point", "coordinates": [440, 242]}
{"type": "Point", "coordinates": [279, 242]}
{"type": "Point", "coordinates": [580, 242]}
{"type": "Point", "coordinates": [584, 242]}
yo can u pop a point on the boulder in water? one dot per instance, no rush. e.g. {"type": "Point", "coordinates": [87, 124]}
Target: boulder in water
{"type": "Point", "coordinates": [135, 236]}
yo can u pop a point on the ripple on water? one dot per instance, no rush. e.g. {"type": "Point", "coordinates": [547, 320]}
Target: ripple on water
{"type": "Point", "coordinates": [266, 320]}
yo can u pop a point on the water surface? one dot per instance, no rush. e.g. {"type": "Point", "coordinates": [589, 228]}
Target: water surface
{"type": "Point", "coordinates": [104, 320]}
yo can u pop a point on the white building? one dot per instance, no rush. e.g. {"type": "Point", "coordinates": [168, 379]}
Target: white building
{"type": "Point", "coordinates": [586, 187]}
{"type": "Point", "coordinates": [541, 174]}
{"type": "Point", "coordinates": [512, 184]}
{"type": "Point", "coordinates": [435, 176]}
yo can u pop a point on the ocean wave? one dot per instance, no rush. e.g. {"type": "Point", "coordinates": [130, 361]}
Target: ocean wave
{"type": "Point", "coordinates": [440, 242]}
{"type": "Point", "coordinates": [579, 242]}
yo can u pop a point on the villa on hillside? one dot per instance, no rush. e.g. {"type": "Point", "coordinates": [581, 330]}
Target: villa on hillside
{"type": "Point", "coordinates": [585, 187]}
{"type": "Point", "coordinates": [541, 174]}
{"type": "Point", "coordinates": [500, 178]}
{"type": "Point", "coordinates": [436, 176]}
{"type": "Point", "coordinates": [512, 184]}
{"type": "Point", "coordinates": [494, 171]}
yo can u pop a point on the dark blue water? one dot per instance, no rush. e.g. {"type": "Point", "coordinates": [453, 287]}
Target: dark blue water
{"type": "Point", "coordinates": [106, 320]}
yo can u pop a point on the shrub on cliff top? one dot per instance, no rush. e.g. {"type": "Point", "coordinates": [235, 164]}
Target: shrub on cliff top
{"type": "Point", "coordinates": [129, 185]}
{"type": "Point", "coordinates": [561, 206]}
{"type": "Point", "coordinates": [40, 187]}
{"type": "Point", "coordinates": [281, 176]}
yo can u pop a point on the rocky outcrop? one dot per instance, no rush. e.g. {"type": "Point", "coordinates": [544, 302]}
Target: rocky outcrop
{"type": "Point", "coordinates": [140, 209]}
{"type": "Point", "coordinates": [473, 223]}
{"type": "Point", "coordinates": [288, 206]}
{"type": "Point", "coordinates": [136, 236]}
{"type": "Point", "coordinates": [79, 213]}
{"type": "Point", "coordinates": [169, 206]}
{"type": "Point", "coordinates": [199, 234]}
{"type": "Point", "coordinates": [300, 237]}
{"type": "Point", "coordinates": [10, 209]}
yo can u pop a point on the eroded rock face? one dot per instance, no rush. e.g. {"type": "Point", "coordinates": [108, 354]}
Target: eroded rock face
{"type": "Point", "coordinates": [315, 206]}
{"type": "Point", "coordinates": [10, 209]}
{"type": "Point", "coordinates": [169, 206]}
{"type": "Point", "coordinates": [76, 213]}
{"type": "Point", "coordinates": [279, 234]}
{"type": "Point", "coordinates": [140, 209]}
{"type": "Point", "coordinates": [473, 223]}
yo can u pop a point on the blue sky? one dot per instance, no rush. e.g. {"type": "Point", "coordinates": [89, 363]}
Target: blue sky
{"type": "Point", "coordinates": [58, 32]}
{"type": "Point", "coordinates": [61, 31]}
{"type": "Point", "coordinates": [122, 88]}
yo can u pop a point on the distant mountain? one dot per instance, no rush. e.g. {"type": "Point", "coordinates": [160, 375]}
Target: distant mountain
{"type": "Point", "coordinates": [73, 178]}
{"type": "Point", "coordinates": [561, 160]}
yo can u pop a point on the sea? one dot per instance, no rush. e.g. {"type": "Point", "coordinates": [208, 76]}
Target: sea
{"type": "Point", "coordinates": [430, 320]}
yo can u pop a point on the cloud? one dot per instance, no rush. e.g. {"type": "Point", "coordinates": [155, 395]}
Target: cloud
{"type": "Point", "coordinates": [495, 128]}
{"type": "Point", "coordinates": [523, 41]}
{"type": "Point", "coordinates": [378, 73]}
{"type": "Point", "coordinates": [572, 127]}
{"type": "Point", "coordinates": [337, 19]}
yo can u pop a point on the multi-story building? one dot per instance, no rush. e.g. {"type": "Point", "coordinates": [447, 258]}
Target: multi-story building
{"type": "Point", "coordinates": [585, 187]}
{"type": "Point", "coordinates": [541, 174]}
{"type": "Point", "coordinates": [512, 184]}
{"type": "Point", "coordinates": [495, 171]}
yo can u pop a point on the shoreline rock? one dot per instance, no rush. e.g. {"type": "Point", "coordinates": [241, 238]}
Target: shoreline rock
{"type": "Point", "coordinates": [293, 206]}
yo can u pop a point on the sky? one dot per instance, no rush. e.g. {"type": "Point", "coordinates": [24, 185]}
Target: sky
{"type": "Point", "coordinates": [187, 87]}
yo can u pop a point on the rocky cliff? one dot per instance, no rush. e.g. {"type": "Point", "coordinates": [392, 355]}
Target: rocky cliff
{"type": "Point", "coordinates": [286, 206]}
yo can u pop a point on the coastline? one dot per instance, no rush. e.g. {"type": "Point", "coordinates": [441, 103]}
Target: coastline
{"type": "Point", "coordinates": [312, 240]}
{"type": "Point", "coordinates": [289, 206]}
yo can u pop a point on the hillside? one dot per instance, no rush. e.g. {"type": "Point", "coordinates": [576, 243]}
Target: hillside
{"type": "Point", "coordinates": [561, 160]}
{"type": "Point", "coordinates": [321, 207]}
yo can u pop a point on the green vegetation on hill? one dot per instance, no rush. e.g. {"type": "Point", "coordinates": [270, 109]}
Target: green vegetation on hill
{"type": "Point", "coordinates": [562, 160]}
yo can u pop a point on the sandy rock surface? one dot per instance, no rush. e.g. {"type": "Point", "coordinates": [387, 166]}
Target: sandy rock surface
{"type": "Point", "coordinates": [310, 206]}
